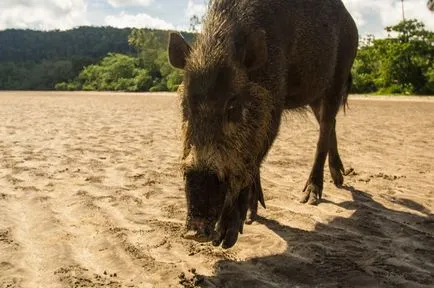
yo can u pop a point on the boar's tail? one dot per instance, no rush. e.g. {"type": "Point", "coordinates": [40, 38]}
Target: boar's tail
{"type": "Point", "coordinates": [347, 91]}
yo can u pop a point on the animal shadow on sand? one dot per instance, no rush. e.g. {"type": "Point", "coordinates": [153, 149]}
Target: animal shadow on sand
{"type": "Point", "coordinates": [375, 247]}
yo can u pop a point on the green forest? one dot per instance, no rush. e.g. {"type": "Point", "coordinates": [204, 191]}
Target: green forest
{"type": "Point", "coordinates": [87, 58]}
{"type": "Point", "coordinates": [111, 59]}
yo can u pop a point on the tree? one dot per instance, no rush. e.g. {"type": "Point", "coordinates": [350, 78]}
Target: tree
{"type": "Point", "coordinates": [365, 67]}
{"type": "Point", "coordinates": [194, 23]}
{"type": "Point", "coordinates": [153, 57]}
{"type": "Point", "coordinates": [400, 64]}
{"type": "Point", "coordinates": [116, 72]}
{"type": "Point", "coordinates": [147, 70]}
{"type": "Point", "coordinates": [31, 60]}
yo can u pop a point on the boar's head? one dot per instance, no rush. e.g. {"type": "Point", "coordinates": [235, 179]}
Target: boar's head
{"type": "Point", "coordinates": [225, 120]}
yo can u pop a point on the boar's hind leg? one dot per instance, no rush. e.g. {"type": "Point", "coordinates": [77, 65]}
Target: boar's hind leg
{"type": "Point", "coordinates": [325, 111]}
{"type": "Point", "coordinates": [335, 163]}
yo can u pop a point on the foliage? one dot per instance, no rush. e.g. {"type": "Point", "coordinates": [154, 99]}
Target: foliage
{"type": "Point", "coordinates": [115, 72]}
{"type": "Point", "coordinates": [152, 53]}
{"type": "Point", "coordinates": [106, 58]}
{"type": "Point", "coordinates": [46, 60]}
{"type": "Point", "coordinates": [34, 76]}
{"type": "Point", "coordinates": [37, 60]}
{"type": "Point", "coordinates": [91, 42]}
{"type": "Point", "coordinates": [149, 70]}
{"type": "Point", "coordinates": [402, 64]}
{"type": "Point", "coordinates": [195, 22]}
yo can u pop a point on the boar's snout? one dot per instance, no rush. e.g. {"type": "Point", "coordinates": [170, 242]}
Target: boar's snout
{"type": "Point", "coordinates": [199, 229]}
{"type": "Point", "coordinates": [205, 198]}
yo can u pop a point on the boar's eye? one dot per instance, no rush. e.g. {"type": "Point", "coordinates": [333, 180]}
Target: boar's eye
{"type": "Point", "coordinates": [233, 110]}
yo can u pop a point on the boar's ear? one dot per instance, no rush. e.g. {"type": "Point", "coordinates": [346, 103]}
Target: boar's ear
{"type": "Point", "coordinates": [255, 52]}
{"type": "Point", "coordinates": [178, 50]}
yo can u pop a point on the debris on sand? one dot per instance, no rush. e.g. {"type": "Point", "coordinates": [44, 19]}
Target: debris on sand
{"type": "Point", "coordinates": [190, 282]}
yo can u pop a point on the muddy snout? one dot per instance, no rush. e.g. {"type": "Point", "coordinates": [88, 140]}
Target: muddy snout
{"type": "Point", "coordinates": [205, 198]}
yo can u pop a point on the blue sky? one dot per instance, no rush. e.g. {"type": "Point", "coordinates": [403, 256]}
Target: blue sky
{"type": "Point", "coordinates": [371, 15]}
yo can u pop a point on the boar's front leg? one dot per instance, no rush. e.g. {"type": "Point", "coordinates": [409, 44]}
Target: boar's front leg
{"type": "Point", "coordinates": [232, 218]}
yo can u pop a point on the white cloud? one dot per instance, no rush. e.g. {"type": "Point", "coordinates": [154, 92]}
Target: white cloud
{"type": "Point", "coordinates": [372, 16]}
{"type": "Point", "coordinates": [43, 15]}
{"type": "Point", "coordinates": [141, 20]}
{"type": "Point", "coordinates": [195, 8]}
{"type": "Point", "coordinates": [125, 3]}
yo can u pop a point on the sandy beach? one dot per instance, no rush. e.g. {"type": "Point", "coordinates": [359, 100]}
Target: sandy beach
{"type": "Point", "coordinates": [91, 196]}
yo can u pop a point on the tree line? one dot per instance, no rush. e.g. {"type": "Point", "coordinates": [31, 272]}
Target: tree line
{"type": "Point", "coordinates": [36, 60]}
{"type": "Point", "coordinates": [399, 64]}
{"type": "Point", "coordinates": [106, 58]}
{"type": "Point", "coordinates": [86, 58]}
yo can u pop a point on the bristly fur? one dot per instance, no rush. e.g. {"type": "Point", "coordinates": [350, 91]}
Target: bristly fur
{"type": "Point", "coordinates": [309, 48]}
{"type": "Point", "coordinates": [215, 41]}
{"type": "Point", "coordinates": [227, 22]}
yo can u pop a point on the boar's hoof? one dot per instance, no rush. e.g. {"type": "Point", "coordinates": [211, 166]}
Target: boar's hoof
{"type": "Point", "coordinates": [227, 230]}
{"type": "Point", "coordinates": [231, 224]}
{"type": "Point", "coordinates": [311, 194]}
{"type": "Point", "coordinates": [336, 170]}
{"type": "Point", "coordinates": [251, 218]}
{"type": "Point", "coordinates": [337, 177]}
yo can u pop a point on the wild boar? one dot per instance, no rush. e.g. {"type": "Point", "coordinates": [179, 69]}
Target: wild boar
{"type": "Point", "coordinates": [253, 60]}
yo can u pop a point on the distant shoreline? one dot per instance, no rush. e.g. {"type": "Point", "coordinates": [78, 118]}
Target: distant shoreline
{"type": "Point", "coordinates": [403, 98]}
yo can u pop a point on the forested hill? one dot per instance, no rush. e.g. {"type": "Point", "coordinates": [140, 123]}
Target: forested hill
{"type": "Point", "coordinates": [111, 59]}
{"type": "Point", "coordinates": [92, 42]}
{"type": "Point", "coordinates": [38, 60]}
